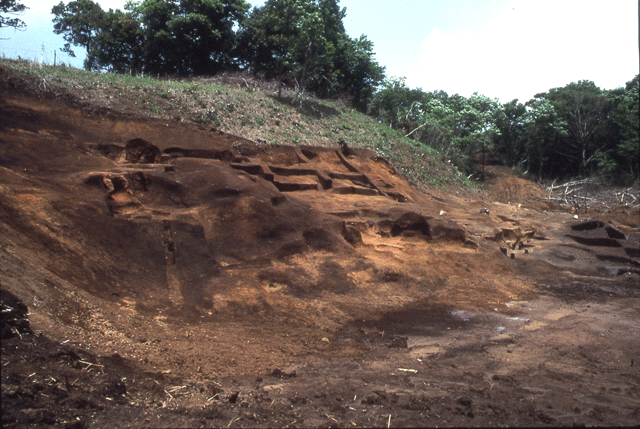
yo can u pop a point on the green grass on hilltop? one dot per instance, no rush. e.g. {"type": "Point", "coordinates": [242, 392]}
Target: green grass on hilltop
{"type": "Point", "coordinates": [246, 107]}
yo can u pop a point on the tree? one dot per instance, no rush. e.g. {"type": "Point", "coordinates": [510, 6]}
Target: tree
{"type": "Point", "coordinates": [456, 126]}
{"type": "Point", "coordinates": [510, 144]}
{"type": "Point", "coordinates": [304, 41]}
{"type": "Point", "coordinates": [584, 107]}
{"type": "Point", "coordinates": [118, 47]}
{"type": "Point", "coordinates": [11, 7]}
{"type": "Point", "coordinates": [309, 51]}
{"type": "Point", "coordinates": [474, 124]}
{"type": "Point", "coordinates": [112, 38]}
{"type": "Point", "coordinates": [620, 161]}
{"type": "Point", "coordinates": [570, 131]}
{"type": "Point", "coordinates": [435, 128]}
{"type": "Point", "coordinates": [287, 38]}
{"type": "Point", "coordinates": [187, 37]}
{"type": "Point", "coordinates": [359, 74]}
{"type": "Point", "coordinates": [79, 22]}
{"type": "Point", "coordinates": [396, 104]}
{"type": "Point", "coordinates": [544, 131]}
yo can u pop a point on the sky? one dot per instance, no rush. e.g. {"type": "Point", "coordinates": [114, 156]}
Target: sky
{"type": "Point", "coordinates": [505, 49]}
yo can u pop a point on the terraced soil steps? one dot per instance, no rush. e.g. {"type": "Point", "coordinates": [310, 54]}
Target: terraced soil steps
{"type": "Point", "coordinates": [360, 183]}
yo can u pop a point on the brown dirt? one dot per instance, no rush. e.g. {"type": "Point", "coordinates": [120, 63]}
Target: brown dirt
{"type": "Point", "coordinates": [168, 275]}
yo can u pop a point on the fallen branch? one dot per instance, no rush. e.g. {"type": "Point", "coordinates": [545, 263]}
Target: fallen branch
{"type": "Point", "coordinates": [421, 126]}
{"type": "Point", "coordinates": [177, 388]}
{"type": "Point", "coordinates": [91, 364]}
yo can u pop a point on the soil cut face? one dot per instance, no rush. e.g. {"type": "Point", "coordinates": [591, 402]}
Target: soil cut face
{"type": "Point", "coordinates": [169, 275]}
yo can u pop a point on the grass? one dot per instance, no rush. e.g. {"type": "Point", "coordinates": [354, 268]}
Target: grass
{"type": "Point", "coordinates": [254, 112]}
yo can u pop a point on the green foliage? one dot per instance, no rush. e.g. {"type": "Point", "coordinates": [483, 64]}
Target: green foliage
{"type": "Point", "coordinates": [112, 38]}
{"type": "Point", "coordinates": [510, 143]}
{"type": "Point", "coordinates": [118, 46]}
{"type": "Point", "coordinates": [544, 130]}
{"type": "Point", "coordinates": [11, 7]}
{"type": "Point", "coordinates": [620, 160]}
{"type": "Point", "coordinates": [186, 37]}
{"type": "Point", "coordinates": [304, 41]}
{"type": "Point", "coordinates": [575, 130]}
{"type": "Point", "coordinates": [455, 126]}
{"type": "Point", "coordinates": [580, 130]}
{"type": "Point", "coordinates": [356, 72]}
{"type": "Point", "coordinates": [584, 108]}
{"type": "Point", "coordinates": [394, 103]}
{"type": "Point", "coordinates": [286, 37]}
{"type": "Point", "coordinates": [79, 22]}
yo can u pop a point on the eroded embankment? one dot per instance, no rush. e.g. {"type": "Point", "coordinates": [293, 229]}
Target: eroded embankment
{"type": "Point", "coordinates": [190, 252]}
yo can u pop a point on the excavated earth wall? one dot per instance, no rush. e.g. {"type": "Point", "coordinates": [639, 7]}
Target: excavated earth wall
{"type": "Point", "coordinates": [164, 274]}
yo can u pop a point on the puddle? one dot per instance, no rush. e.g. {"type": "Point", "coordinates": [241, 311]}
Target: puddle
{"type": "Point", "coordinates": [625, 287]}
{"type": "Point", "coordinates": [421, 319]}
{"type": "Point", "coordinates": [506, 323]}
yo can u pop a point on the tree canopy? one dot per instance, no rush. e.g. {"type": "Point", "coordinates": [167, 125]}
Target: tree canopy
{"type": "Point", "coordinates": [575, 130]}
{"type": "Point", "coordinates": [183, 37]}
{"type": "Point", "coordinates": [11, 7]}
{"type": "Point", "coordinates": [305, 41]}
{"type": "Point", "coordinates": [188, 37]}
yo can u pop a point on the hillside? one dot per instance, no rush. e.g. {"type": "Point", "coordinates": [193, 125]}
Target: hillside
{"type": "Point", "coordinates": [242, 105]}
{"type": "Point", "coordinates": [163, 273]}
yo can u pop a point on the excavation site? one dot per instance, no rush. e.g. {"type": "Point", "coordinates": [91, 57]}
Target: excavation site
{"type": "Point", "coordinates": [160, 273]}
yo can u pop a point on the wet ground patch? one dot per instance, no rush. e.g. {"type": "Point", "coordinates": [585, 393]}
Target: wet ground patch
{"type": "Point", "coordinates": [625, 286]}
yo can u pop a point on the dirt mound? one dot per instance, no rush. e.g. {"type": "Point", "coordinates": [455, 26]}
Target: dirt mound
{"type": "Point", "coordinates": [177, 272]}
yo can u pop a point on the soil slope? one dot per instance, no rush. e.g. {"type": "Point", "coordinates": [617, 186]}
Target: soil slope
{"type": "Point", "coordinates": [174, 275]}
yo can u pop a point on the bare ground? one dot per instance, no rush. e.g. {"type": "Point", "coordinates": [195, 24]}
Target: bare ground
{"type": "Point", "coordinates": [166, 275]}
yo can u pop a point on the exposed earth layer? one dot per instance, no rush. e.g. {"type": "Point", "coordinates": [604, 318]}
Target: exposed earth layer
{"type": "Point", "coordinates": [171, 275]}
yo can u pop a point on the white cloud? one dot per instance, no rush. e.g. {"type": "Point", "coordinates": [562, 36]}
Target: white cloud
{"type": "Point", "coordinates": [533, 46]}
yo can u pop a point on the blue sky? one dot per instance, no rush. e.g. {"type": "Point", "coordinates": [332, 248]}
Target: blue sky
{"type": "Point", "coordinates": [504, 49]}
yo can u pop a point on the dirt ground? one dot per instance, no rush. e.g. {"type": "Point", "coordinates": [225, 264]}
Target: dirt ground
{"type": "Point", "coordinates": [168, 275]}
